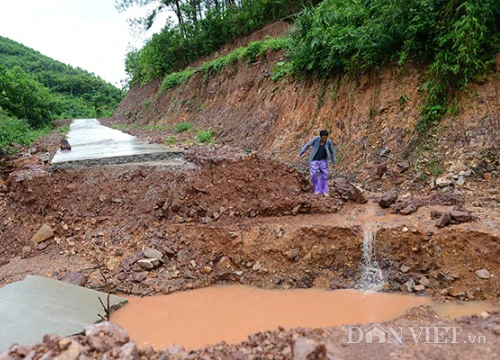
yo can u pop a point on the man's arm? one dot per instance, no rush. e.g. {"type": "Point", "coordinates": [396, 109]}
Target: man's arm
{"type": "Point", "coordinates": [334, 158]}
{"type": "Point", "coordinates": [307, 146]}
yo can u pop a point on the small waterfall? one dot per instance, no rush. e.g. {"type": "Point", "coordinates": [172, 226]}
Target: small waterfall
{"type": "Point", "coordinates": [372, 278]}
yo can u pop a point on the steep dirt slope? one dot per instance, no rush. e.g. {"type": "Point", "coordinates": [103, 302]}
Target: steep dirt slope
{"type": "Point", "coordinates": [371, 117]}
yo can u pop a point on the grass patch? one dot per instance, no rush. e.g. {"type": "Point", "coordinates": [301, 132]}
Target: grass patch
{"type": "Point", "coordinates": [183, 127]}
{"type": "Point", "coordinates": [435, 167]}
{"type": "Point", "coordinates": [254, 51]}
{"type": "Point", "coordinates": [204, 137]}
{"type": "Point", "coordinates": [63, 129]}
{"type": "Point", "coordinates": [170, 141]}
{"type": "Point", "coordinates": [176, 78]}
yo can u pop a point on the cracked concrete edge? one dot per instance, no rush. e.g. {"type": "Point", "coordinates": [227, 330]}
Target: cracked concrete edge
{"type": "Point", "coordinates": [116, 160]}
{"type": "Point", "coordinates": [38, 305]}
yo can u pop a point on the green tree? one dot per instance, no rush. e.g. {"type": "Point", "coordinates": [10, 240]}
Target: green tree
{"type": "Point", "coordinates": [25, 98]}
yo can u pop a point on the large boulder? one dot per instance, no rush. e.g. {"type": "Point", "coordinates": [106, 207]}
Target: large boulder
{"type": "Point", "coordinates": [348, 191]}
{"type": "Point", "coordinates": [388, 198]}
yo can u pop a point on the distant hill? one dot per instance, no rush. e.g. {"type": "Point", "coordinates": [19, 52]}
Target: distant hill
{"type": "Point", "coordinates": [76, 93]}
{"type": "Point", "coordinates": [35, 89]}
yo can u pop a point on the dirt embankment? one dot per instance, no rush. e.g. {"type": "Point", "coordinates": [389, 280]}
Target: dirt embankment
{"type": "Point", "coordinates": [371, 118]}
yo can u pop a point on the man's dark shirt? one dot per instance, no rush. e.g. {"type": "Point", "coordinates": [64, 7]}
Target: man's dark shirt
{"type": "Point", "coordinates": [321, 153]}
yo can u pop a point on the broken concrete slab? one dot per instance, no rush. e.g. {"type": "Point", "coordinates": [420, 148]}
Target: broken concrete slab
{"type": "Point", "coordinates": [37, 306]}
{"type": "Point", "coordinates": [93, 144]}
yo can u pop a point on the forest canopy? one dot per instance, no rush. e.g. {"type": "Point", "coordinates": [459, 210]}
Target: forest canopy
{"type": "Point", "coordinates": [199, 28]}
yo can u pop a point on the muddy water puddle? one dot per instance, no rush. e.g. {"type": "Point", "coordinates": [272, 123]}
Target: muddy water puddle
{"type": "Point", "coordinates": [458, 309]}
{"type": "Point", "coordinates": [200, 317]}
{"type": "Point", "coordinates": [230, 313]}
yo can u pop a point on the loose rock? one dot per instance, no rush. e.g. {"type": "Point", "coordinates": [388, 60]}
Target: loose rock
{"type": "Point", "coordinates": [381, 170]}
{"type": "Point", "coordinates": [151, 253]}
{"type": "Point", "coordinates": [404, 269]}
{"type": "Point", "coordinates": [424, 281]}
{"type": "Point", "coordinates": [403, 166]}
{"type": "Point", "coordinates": [308, 349]}
{"type": "Point", "coordinates": [43, 234]}
{"type": "Point", "coordinates": [442, 182]}
{"type": "Point", "coordinates": [149, 264]}
{"type": "Point", "coordinates": [348, 191]}
{"type": "Point", "coordinates": [419, 288]}
{"type": "Point", "coordinates": [105, 336]}
{"type": "Point", "coordinates": [408, 286]}
{"type": "Point", "coordinates": [113, 263]}
{"type": "Point", "coordinates": [409, 209]}
{"type": "Point", "coordinates": [72, 350]}
{"type": "Point", "coordinates": [388, 198]}
{"type": "Point", "coordinates": [293, 254]}
{"type": "Point", "coordinates": [74, 278]}
{"type": "Point", "coordinates": [461, 216]}
{"type": "Point", "coordinates": [444, 220]}
{"type": "Point", "coordinates": [483, 274]}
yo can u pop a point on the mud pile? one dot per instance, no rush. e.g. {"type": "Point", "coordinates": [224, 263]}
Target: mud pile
{"type": "Point", "coordinates": [215, 191]}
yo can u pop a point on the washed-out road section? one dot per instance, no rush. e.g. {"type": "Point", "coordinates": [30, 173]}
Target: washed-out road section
{"type": "Point", "coordinates": [36, 306]}
{"type": "Point", "coordinates": [95, 144]}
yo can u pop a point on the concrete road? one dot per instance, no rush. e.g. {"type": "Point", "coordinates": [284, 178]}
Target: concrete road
{"type": "Point", "coordinates": [94, 144]}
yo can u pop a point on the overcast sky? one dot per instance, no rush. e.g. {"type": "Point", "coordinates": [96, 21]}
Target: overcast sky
{"type": "Point", "coordinates": [89, 34]}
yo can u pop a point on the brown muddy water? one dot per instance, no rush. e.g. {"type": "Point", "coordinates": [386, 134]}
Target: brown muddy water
{"type": "Point", "coordinates": [210, 315]}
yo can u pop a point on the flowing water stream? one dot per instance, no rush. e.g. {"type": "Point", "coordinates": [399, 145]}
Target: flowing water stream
{"type": "Point", "coordinates": [372, 278]}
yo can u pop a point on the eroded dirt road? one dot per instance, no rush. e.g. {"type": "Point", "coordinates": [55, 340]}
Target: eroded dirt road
{"type": "Point", "coordinates": [248, 219]}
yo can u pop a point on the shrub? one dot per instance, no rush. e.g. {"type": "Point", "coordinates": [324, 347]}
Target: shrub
{"type": "Point", "coordinates": [146, 103]}
{"type": "Point", "coordinates": [16, 132]}
{"type": "Point", "coordinates": [204, 136]}
{"type": "Point", "coordinates": [170, 141]}
{"type": "Point", "coordinates": [175, 79]}
{"type": "Point", "coordinates": [457, 39]}
{"type": "Point", "coordinates": [255, 49]}
{"type": "Point", "coordinates": [182, 127]}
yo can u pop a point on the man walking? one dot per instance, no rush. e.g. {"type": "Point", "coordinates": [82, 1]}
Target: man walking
{"type": "Point", "coordinates": [322, 151]}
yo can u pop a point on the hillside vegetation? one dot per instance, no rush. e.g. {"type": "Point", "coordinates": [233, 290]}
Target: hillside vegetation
{"type": "Point", "coordinates": [35, 89]}
{"type": "Point", "coordinates": [454, 41]}
{"type": "Point", "coordinates": [201, 28]}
